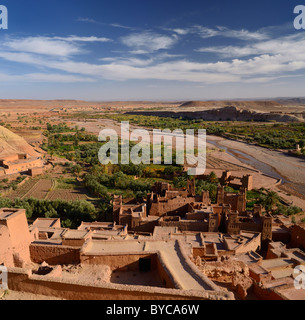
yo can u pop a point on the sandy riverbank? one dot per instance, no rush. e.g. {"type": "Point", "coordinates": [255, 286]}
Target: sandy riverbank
{"type": "Point", "coordinates": [291, 168]}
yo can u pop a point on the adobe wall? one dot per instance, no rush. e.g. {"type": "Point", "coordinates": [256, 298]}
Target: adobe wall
{"type": "Point", "coordinates": [171, 205]}
{"type": "Point", "coordinates": [73, 242]}
{"type": "Point", "coordinates": [11, 157]}
{"type": "Point", "coordinates": [252, 245]}
{"type": "Point", "coordinates": [164, 274]}
{"type": "Point", "coordinates": [145, 226]}
{"type": "Point", "coordinates": [54, 254]}
{"type": "Point", "coordinates": [284, 236]}
{"type": "Point", "coordinates": [6, 253]}
{"type": "Point", "coordinates": [199, 252]}
{"type": "Point", "coordinates": [199, 226]}
{"type": "Point", "coordinates": [236, 201]}
{"type": "Point", "coordinates": [19, 280]}
{"type": "Point", "coordinates": [250, 226]}
{"type": "Point", "coordinates": [19, 167]}
{"type": "Point", "coordinates": [195, 216]}
{"type": "Point", "coordinates": [117, 261]}
{"type": "Point", "coordinates": [259, 277]}
{"type": "Point", "coordinates": [297, 237]}
{"type": "Point", "coordinates": [20, 239]}
{"type": "Point", "coordinates": [36, 171]}
{"type": "Point", "coordinates": [266, 294]}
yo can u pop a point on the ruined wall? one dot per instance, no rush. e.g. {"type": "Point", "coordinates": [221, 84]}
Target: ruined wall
{"type": "Point", "coordinates": [117, 261]}
{"type": "Point", "coordinates": [199, 252]}
{"type": "Point", "coordinates": [19, 280]}
{"type": "Point", "coordinates": [54, 254]}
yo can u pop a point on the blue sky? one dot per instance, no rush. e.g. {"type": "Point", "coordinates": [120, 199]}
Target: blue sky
{"type": "Point", "coordinates": [151, 50]}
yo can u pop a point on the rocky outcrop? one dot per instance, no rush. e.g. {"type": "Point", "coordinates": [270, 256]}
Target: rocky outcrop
{"type": "Point", "coordinates": [230, 113]}
{"type": "Point", "coordinates": [11, 143]}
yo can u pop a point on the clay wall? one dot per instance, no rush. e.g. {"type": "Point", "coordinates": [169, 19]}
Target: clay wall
{"type": "Point", "coordinates": [266, 294]}
{"type": "Point", "coordinates": [145, 226]}
{"type": "Point", "coordinates": [236, 201]}
{"type": "Point", "coordinates": [284, 236]}
{"type": "Point", "coordinates": [297, 237]}
{"type": "Point", "coordinates": [187, 226]}
{"type": "Point", "coordinates": [22, 166]}
{"type": "Point", "coordinates": [170, 206]}
{"type": "Point", "coordinates": [19, 280]}
{"type": "Point", "coordinates": [12, 157]}
{"type": "Point", "coordinates": [6, 253]}
{"type": "Point", "coordinates": [252, 245]}
{"type": "Point", "coordinates": [54, 254]}
{"type": "Point", "coordinates": [195, 215]}
{"type": "Point", "coordinates": [73, 242]}
{"type": "Point", "coordinates": [118, 261]}
{"type": "Point", "coordinates": [33, 172]}
{"type": "Point", "coordinates": [20, 238]}
{"type": "Point", "coordinates": [167, 280]}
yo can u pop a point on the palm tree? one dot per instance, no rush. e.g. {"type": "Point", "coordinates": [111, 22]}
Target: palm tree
{"type": "Point", "coordinates": [270, 201]}
{"type": "Point", "coordinates": [212, 178]}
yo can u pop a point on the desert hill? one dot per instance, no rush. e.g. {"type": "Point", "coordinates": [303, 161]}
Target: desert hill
{"type": "Point", "coordinates": [254, 105]}
{"type": "Point", "coordinates": [229, 113]}
{"type": "Point", "coordinates": [11, 143]}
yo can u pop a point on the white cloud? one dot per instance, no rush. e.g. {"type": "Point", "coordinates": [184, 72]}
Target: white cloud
{"type": "Point", "coordinates": [42, 45]}
{"type": "Point", "coordinates": [148, 41]}
{"type": "Point", "coordinates": [259, 61]}
{"type": "Point", "coordinates": [82, 39]}
{"type": "Point", "coordinates": [220, 31]}
{"type": "Point", "coordinates": [52, 46]}
{"type": "Point", "coordinates": [242, 34]}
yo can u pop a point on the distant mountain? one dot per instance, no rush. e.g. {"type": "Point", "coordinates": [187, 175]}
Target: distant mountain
{"type": "Point", "coordinates": [291, 101]}
{"type": "Point", "coordinates": [257, 104]}
{"type": "Point", "coordinates": [229, 113]}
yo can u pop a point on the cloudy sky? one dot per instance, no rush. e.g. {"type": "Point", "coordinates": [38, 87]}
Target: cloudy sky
{"type": "Point", "coordinates": [151, 50]}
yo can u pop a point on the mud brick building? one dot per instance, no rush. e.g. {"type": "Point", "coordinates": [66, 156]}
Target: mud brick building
{"type": "Point", "coordinates": [16, 163]}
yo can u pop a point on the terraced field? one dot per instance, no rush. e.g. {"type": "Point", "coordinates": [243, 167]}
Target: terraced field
{"type": "Point", "coordinates": [40, 189]}
{"type": "Point", "coordinates": [68, 195]}
{"type": "Point", "coordinates": [22, 190]}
